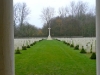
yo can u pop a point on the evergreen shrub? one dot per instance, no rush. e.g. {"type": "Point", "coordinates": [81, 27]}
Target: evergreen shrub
{"type": "Point", "coordinates": [28, 46]}
{"type": "Point", "coordinates": [17, 51]}
{"type": "Point", "coordinates": [24, 47]}
{"type": "Point", "coordinates": [76, 47]}
{"type": "Point", "coordinates": [93, 56]}
{"type": "Point", "coordinates": [83, 50]}
{"type": "Point", "coordinates": [71, 45]}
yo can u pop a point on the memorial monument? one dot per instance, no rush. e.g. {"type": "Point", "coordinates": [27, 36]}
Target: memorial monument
{"type": "Point", "coordinates": [49, 36]}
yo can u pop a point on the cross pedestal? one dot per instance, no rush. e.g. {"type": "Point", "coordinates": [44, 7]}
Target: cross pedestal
{"type": "Point", "coordinates": [49, 37]}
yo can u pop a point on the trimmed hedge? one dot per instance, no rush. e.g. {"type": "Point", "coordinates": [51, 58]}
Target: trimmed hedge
{"type": "Point", "coordinates": [24, 47]}
{"type": "Point", "coordinates": [83, 51]}
{"type": "Point", "coordinates": [71, 45]}
{"type": "Point", "coordinates": [93, 56]}
{"type": "Point", "coordinates": [64, 42]}
{"type": "Point", "coordinates": [28, 46]}
{"type": "Point", "coordinates": [17, 51]}
{"type": "Point", "coordinates": [76, 47]}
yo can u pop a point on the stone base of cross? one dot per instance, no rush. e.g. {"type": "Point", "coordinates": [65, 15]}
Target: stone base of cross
{"type": "Point", "coordinates": [49, 37]}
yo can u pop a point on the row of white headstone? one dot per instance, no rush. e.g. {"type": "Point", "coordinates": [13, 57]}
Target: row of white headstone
{"type": "Point", "coordinates": [89, 44]}
{"type": "Point", "coordinates": [18, 43]}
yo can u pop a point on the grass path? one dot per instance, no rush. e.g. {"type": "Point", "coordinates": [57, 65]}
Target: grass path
{"type": "Point", "coordinates": [53, 58]}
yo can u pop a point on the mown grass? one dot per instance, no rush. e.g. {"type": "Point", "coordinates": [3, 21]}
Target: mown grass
{"type": "Point", "coordinates": [53, 58]}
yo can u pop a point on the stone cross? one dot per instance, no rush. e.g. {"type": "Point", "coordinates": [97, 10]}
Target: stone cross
{"type": "Point", "coordinates": [49, 31]}
{"type": "Point", "coordinates": [49, 37]}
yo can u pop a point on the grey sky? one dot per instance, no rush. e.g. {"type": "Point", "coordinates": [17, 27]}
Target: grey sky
{"type": "Point", "coordinates": [36, 7]}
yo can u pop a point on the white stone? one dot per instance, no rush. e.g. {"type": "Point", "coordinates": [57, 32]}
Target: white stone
{"type": "Point", "coordinates": [49, 37]}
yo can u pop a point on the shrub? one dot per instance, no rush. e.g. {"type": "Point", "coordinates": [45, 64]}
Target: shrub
{"type": "Point", "coordinates": [93, 56]}
{"type": "Point", "coordinates": [76, 47]}
{"type": "Point", "coordinates": [64, 42]}
{"type": "Point", "coordinates": [57, 40]}
{"type": "Point", "coordinates": [24, 47]}
{"type": "Point", "coordinates": [34, 43]}
{"type": "Point", "coordinates": [68, 44]}
{"type": "Point", "coordinates": [40, 40]}
{"type": "Point", "coordinates": [83, 51]}
{"type": "Point", "coordinates": [17, 51]}
{"type": "Point", "coordinates": [28, 46]}
{"type": "Point", "coordinates": [71, 45]}
{"type": "Point", "coordinates": [31, 44]}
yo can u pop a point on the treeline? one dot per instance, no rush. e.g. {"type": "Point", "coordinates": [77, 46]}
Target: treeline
{"type": "Point", "coordinates": [68, 26]}
{"type": "Point", "coordinates": [78, 19]}
{"type": "Point", "coordinates": [21, 26]}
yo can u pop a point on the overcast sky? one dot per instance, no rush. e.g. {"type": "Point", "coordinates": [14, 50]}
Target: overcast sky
{"type": "Point", "coordinates": [36, 7]}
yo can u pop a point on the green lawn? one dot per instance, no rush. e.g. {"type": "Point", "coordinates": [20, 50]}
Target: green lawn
{"type": "Point", "coordinates": [53, 58]}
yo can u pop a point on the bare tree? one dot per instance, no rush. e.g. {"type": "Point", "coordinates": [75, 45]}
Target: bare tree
{"type": "Point", "coordinates": [21, 12]}
{"type": "Point", "coordinates": [47, 15]}
{"type": "Point", "coordinates": [16, 14]}
{"type": "Point", "coordinates": [72, 8]}
{"type": "Point", "coordinates": [62, 12]}
{"type": "Point", "coordinates": [67, 11]}
{"type": "Point", "coordinates": [92, 11]}
{"type": "Point", "coordinates": [81, 8]}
